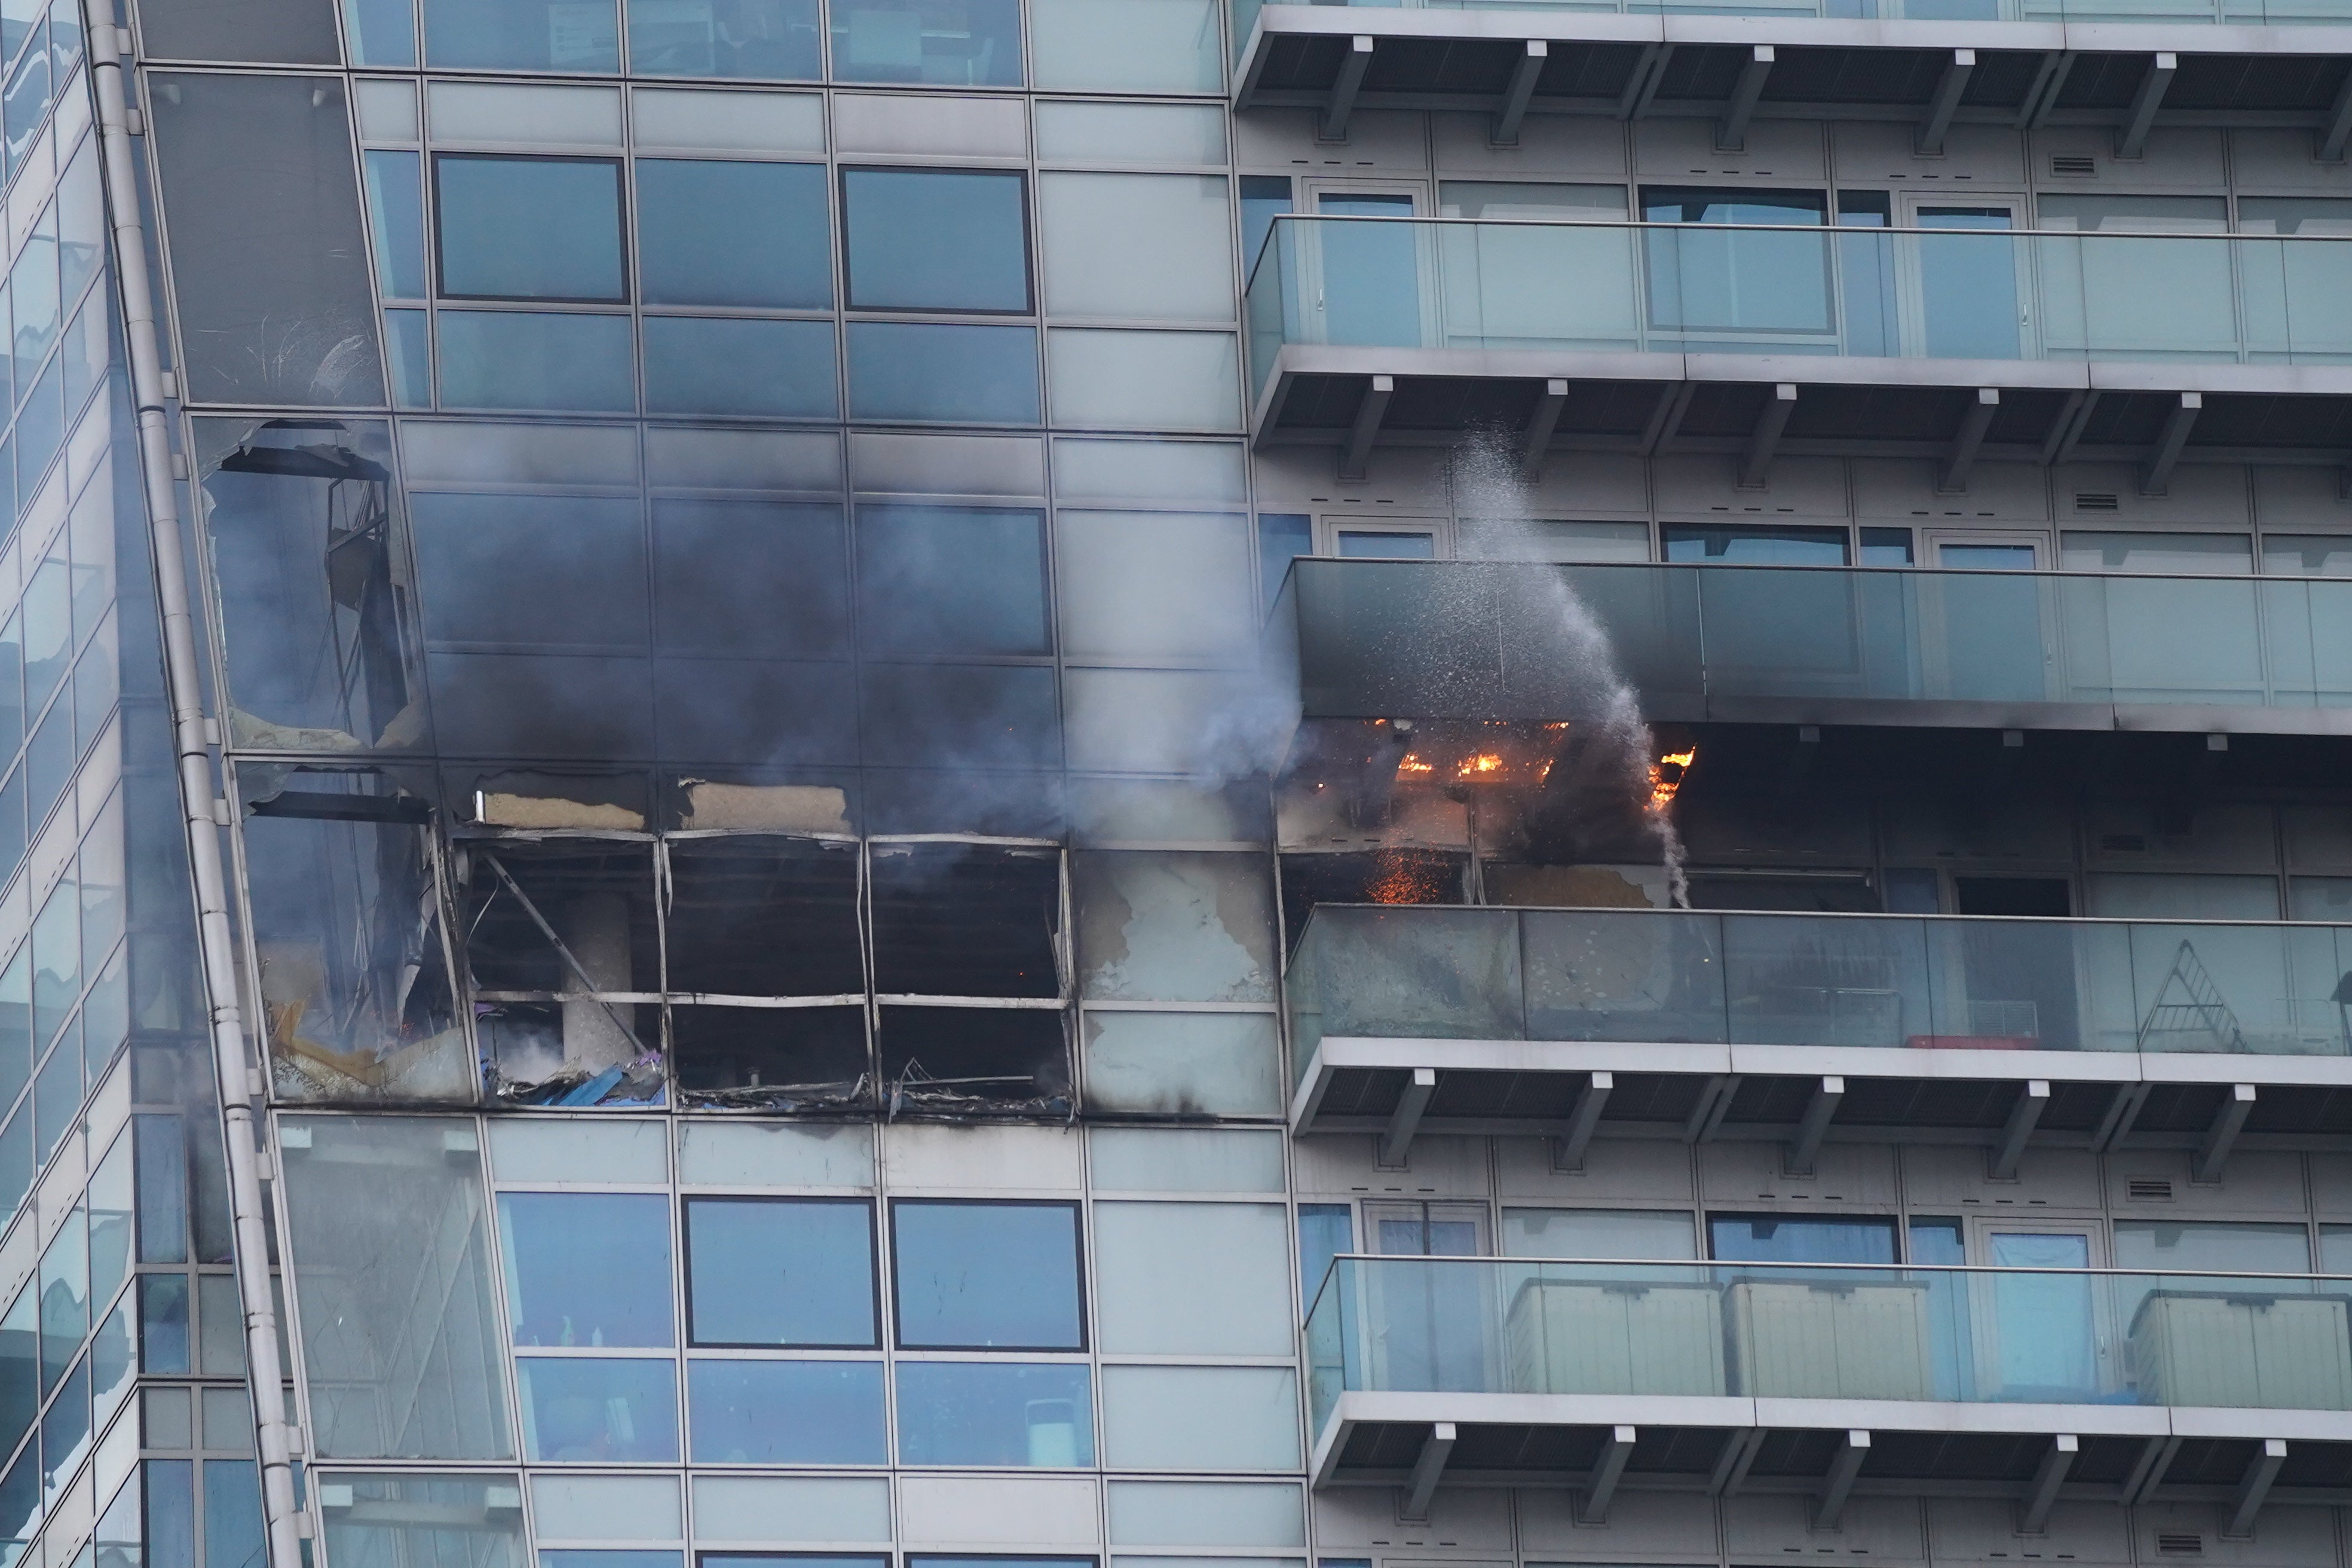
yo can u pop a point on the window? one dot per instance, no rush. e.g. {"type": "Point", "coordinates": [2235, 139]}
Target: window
{"type": "Point", "coordinates": [751, 578]}
{"type": "Point", "coordinates": [1770, 280]}
{"type": "Point", "coordinates": [1386, 544]}
{"type": "Point", "coordinates": [1126, 46]}
{"type": "Point", "coordinates": [785, 1412]}
{"type": "Point", "coordinates": [2186, 554]}
{"type": "Point", "coordinates": [396, 208]}
{"type": "Point", "coordinates": [2220, 1248]}
{"type": "Point", "coordinates": [1612, 1234]}
{"type": "Point", "coordinates": [936, 240]}
{"type": "Point", "coordinates": [780, 1271]}
{"type": "Point", "coordinates": [977, 1276]}
{"type": "Point", "coordinates": [598, 1409]}
{"type": "Point", "coordinates": [1515, 199]}
{"type": "Point", "coordinates": [1799, 1238]}
{"type": "Point", "coordinates": [529, 228]}
{"type": "Point", "coordinates": [1754, 546]}
{"type": "Point", "coordinates": [957, 43]}
{"type": "Point", "coordinates": [2307, 555]}
{"type": "Point", "coordinates": [587, 1269]}
{"type": "Point", "coordinates": [994, 1413]}
{"type": "Point", "coordinates": [524, 35]}
{"type": "Point", "coordinates": [584, 559]}
{"type": "Point", "coordinates": [1137, 246]}
{"type": "Point", "coordinates": [1154, 1297]}
{"type": "Point", "coordinates": [715, 233]}
{"type": "Point", "coordinates": [951, 579]}
{"type": "Point", "coordinates": [772, 370]}
{"type": "Point", "coordinates": [775, 40]}
{"type": "Point", "coordinates": [1325, 1231]}
{"type": "Point", "coordinates": [934, 372]}
{"type": "Point", "coordinates": [1265, 197]}
{"type": "Point", "coordinates": [1544, 539]}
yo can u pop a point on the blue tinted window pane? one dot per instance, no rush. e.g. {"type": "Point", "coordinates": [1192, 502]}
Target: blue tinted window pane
{"type": "Point", "coordinates": [56, 1095]}
{"type": "Point", "coordinates": [381, 32]}
{"type": "Point", "coordinates": [1782, 1238]}
{"type": "Point", "coordinates": [515, 359]}
{"type": "Point", "coordinates": [407, 339]}
{"type": "Point", "coordinates": [233, 1532]}
{"type": "Point", "coordinates": [1282, 537]}
{"type": "Point", "coordinates": [797, 1560]}
{"type": "Point", "coordinates": [733, 234]}
{"type": "Point", "coordinates": [585, 557]}
{"type": "Point", "coordinates": [1325, 1231]}
{"type": "Point", "coordinates": [161, 1154]}
{"type": "Point", "coordinates": [772, 39]}
{"type": "Point", "coordinates": [952, 580]}
{"type": "Point", "coordinates": [17, 1156]}
{"type": "Point", "coordinates": [958, 375]}
{"type": "Point", "coordinates": [968, 42]}
{"type": "Point", "coordinates": [65, 1431]}
{"type": "Point", "coordinates": [593, 1408]}
{"type": "Point", "coordinates": [786, 1411]}
{"type": "Point", "coordinates": [640, 1559]}
{"type": "Point", "coordinates": [936, 240]}
{"type": "Point", "coordinates": [586, 1268]}
{"type": "Point", "coordinates": [171, 1509]}
{"type": "Point", "coordinates": [989, 1413]}
{"type": "Point", "coordinates": [20, 1366]}
{"type": "Point", "coordinates": [780, 1272]}
{"type": "Point", "coordinates": [1936, 1241]}
{"type": "Point", "coordinates": [524, 35]}
{"type": "Point", "coordinates": [529, 228]}
{"type": "Point", "coordinates": [775, 370]}
{"type": "Point", "coordinates": [163, 1323]}
{"type": "Point", "coordinates": [396, 196]}
{"type": "Point", "coordinates": [36, 310]}
{"type": "Point", "coordinates": [997, 1275]}
{"type": "Point", "coordinates": [1756, 546]}
{"type": "Point", "coordinates": [1380, 544]}
{"type": "Point", "coordinates": [1264, 198]}
{"type": "Point", "coordinates": [26, 103]}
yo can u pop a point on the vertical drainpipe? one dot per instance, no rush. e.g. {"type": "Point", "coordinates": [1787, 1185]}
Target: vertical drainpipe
{"type": "Point", "coordinates": [236, 1080]}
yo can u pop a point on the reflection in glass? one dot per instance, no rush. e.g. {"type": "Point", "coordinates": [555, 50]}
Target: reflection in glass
{"type": "Point", "coordinates": [586, 1268]}
{"type": "Point", "coordinates": [1002, 1276]}
{"type": "Point", "coordinates": [598, 1408]}
{"type": "Point", "coordinates": [785, 1412]}
{"type": "Point", "coordinates": [994, 1413]}
{"type": "Point", "coordinates": [776, 40]}
{"type": "Point", "coordinates": [780, 1271]}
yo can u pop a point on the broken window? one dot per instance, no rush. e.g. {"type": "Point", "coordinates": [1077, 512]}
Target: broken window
{"type": "Point", "coordinates": [971, 973]}
{"type": "Point", "coordinates": [310, 584]}
{"type": "Point", "coordinates": [766, 919]}
{"type": "Point", "coordinates": [1387, 876]}
{"type": "Point", "coordinates": [1167, 927]}
{"type": "Point", "coordinates": [347, 935]}
{"type": "Point", "coordinates": [562, 951]}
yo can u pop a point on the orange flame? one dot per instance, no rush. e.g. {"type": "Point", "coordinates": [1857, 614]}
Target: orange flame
{"type": "Point", "coordinates": [1412, 763]}
{"type": "Point", "coordinates": [1666, 777]}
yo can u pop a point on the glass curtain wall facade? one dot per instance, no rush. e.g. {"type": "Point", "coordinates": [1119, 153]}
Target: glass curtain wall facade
{"type": "Point", "coordinates": [831, 942]}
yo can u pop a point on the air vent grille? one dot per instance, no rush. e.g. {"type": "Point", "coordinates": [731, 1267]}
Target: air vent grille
{"type": "Point", "coordinates": [2179, 1544]}
{"type": "Point", "coordinates": [2097, 500]}
{"type": "Point", "coordinates": [2149, 1190]}
{"type": "Point", "coordinates": [2072, 163]}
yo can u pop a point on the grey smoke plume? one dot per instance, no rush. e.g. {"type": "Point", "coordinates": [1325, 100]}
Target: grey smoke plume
{"type": "Point", "coordinates": [1489, 487]}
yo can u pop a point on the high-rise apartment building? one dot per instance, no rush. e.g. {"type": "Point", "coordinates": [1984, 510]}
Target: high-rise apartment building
{"type": "Point", "coordinates": [1148, 784]}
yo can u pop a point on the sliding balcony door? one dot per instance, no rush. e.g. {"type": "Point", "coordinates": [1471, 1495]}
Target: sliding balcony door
{"type": "Point", "coordinates": [1437, 1320]}
{"type": "Point", "coordinates": [1965, 280]}
{"type": "Point", "coordinates": [1369, 275]}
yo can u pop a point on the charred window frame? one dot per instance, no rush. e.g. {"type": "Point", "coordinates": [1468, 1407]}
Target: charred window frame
{"type": "Point", "coordinates": [971, 972]}
{"type": "Point", "coordinates": [347, 919]}
{"type": "Point", "coordinates": [562, 948]}
{"type": "Point", "coordinates": [312, 586]}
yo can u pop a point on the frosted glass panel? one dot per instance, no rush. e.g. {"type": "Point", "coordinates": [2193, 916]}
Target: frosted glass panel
{"type": "Point", "coordinates": [1185, 1160]}
{"type": "Point", "coordinates": [1145, 381]}
{"type": "Point", "coordinates": [1598, 1233]}
{"type": "Point", "coordinates": [579, 1151]}
{"type": "Point", "coordinates": [1201, 471]}
{"type": "Point", "coordinates": [715, 1154]}
{"type": "Point", "coordinates": [1144, 246]}
{"type": "Point", "coordinates": [1153, 1297]}
{"type": "Point", "coordinates": [1216, 1064]}
{"type": "Point", "coordinates": [1200, 1418]}
{"type": "Point", "coordinates": [1205, 1513]}
{"type": "Point", "coordinates": [1156, 585]}
{"type": "Point", "coordinates": [1162, 133]}
{"type": "Point", "coordinates": [1125, 46]}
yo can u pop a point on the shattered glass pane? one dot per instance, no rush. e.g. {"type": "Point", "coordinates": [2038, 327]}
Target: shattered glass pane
{"type": "Point", "coordinates": [563, 952]}
{"type": "Point", "coordinates": [967, 920]}
{"type": "Point", "coordinates": [773, 1058]}
{"type": "Point", "coordinates": [348, 928]}
{"type": "Point", "coordinates": [392, 1282]}
{"type": "Point", "coordinates": [760, 915]}
{"type": "Point", "coordinates": [310, 585]}
{"type": "Point", "coordinates": [945, 1060]}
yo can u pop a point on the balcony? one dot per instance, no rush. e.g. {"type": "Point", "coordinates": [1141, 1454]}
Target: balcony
{"type": "Point", "coordinates": [1757, 341]}
{"type": "Point", "coordinates": [1719, 1377]}
{"type": "Point", "coordinates": [2003, 1032]}
{"type": "Point", "coordinates": [2124, 67]}
{"type": "Point", "coordinates": [1496, 640]}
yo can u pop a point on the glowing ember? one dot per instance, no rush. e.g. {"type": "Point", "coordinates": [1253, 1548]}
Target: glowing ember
{"type": "Point", "coordinates": [1483, 765]}
{"type": "Point", "coordinates": [1412, 764]}
{"type": "Point", "coordinates": [1666, 777]}
{"type": "Point", "coordinates": [1407, 878]}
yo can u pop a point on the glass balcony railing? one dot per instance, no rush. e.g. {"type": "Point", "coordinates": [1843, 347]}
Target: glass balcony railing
{"type": "Point", "coordinates": [1979, 1336]}
{"type": "Point", "coordinates": [1862, 293]}
{"type": "Point", "coordinates": [1499, 639]}
{"type": "Point", "coordinates": [2208, 13]}
{"type": "Point", "coordinates": [1676, 977]}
